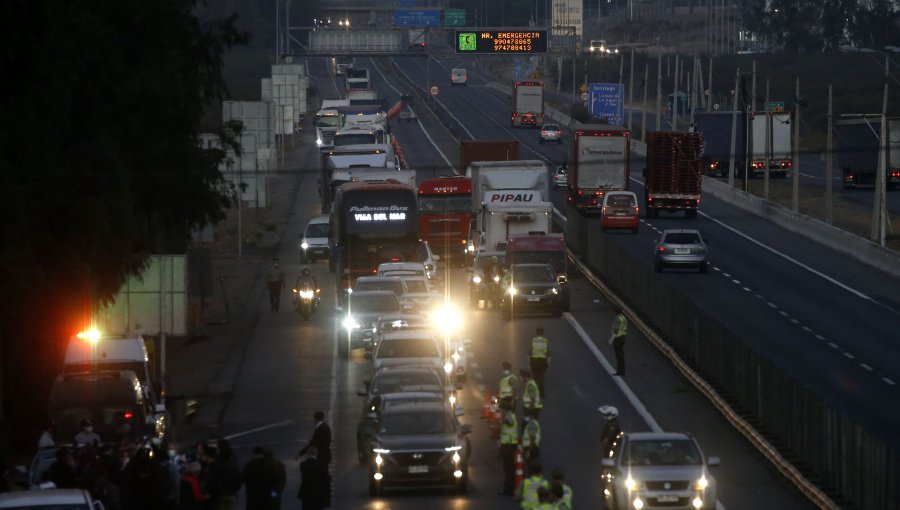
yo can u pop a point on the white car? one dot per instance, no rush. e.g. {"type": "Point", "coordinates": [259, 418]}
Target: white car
{"type": "Point", "coordinates": [429, 260]}
{"type": "Point", "coordinates": [57, 499]}
{"type": "Point", "coordinates": [458, 76]}
{"type": "Point", "coordinates": [414, 346]}
{"type": "Point", "coordinates": [314, 240]}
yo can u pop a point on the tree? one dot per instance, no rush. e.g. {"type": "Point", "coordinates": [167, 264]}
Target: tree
{"type": "Point", "coordinates": [99, 158]}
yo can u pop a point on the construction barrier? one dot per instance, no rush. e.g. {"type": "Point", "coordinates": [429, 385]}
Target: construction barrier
{"type": "Point", "coordinates": [520, 468]}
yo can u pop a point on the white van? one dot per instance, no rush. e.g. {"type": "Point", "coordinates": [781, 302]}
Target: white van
{"type": "Point", "coordinates": [314, 239]}
{"type": "Point", "coordinates": [458, 77]}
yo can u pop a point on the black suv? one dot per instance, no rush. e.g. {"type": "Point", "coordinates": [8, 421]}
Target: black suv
{"type": "Point", "coordinates": [419, 442]}
{"type": "Point", "coordinates": [534, 288]}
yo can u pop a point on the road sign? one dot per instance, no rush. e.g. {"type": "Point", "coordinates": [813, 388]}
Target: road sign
{"type": "Point", "coordinates": [501, 41]}
{"type": "Point", "coordinates": [454, 17]}
{"type": "Point", "coordinates": [417, 17]}
{"type": "Point", "coordinates": [584, 97]}
{"type": "Point", "coordinates": [607, 102]}
{"type": "Point", "coordinates": [776, 106]}
{"type": "Point", "coordinates": [716, 106]}
{"type": "Point", "coordinates": [434, 91]}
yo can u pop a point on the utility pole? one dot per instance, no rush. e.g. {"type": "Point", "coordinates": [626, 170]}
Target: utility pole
{"type": "Point", "coordinates": [828, 165]}
{"type": "Point", "coordinates": [658, 82]}
{"type": "Point", "coordinates": [644, 103]}
{"type": "Point", "coordinates": [734, 103]}
{"type": "Point", "coordinates": [768, 145]}
{"type": "Point", "coordinates": [753, 90]}
{"type": "Point", "coordinates": [631, 92]}
{"type": "Point", "coordinates": [675, 97]}
{"type": "Point", "coordinates": [795, 171]}
{"type": "Point", "coordinates": [709, 98]}
{"type": "Point", "coordinates": [879, 214]}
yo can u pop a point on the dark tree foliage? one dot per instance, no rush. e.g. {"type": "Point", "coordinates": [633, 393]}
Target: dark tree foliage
{"type": "Point", "coordinates": [101, 102]}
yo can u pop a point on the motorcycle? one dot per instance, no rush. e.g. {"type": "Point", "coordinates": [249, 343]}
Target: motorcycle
{"type": "Point", "coordinates": [494, 292]}
{"type": "Point", "coordinates": [306, 300]}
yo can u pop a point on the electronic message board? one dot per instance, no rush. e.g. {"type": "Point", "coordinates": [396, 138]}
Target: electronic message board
{"type": "Point", "coordinates": [501, 41]}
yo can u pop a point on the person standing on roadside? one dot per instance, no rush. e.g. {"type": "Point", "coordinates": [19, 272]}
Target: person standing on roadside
{"type": "Point", "coordinates": [321, 441]}
{"type": "Point", "coordinates": [315, 483]}
{"type": "Point", "coordinates": [275, 280]}
{"type": "Point", "coordinates": [224, 477]}
{"type": "Point", "coordinates": [47, 440]}
{"type": "Point", "coordinates": [539, 357]}
{"type": "Point", "coordinates": [617, 339]}
{"type": "Point", "coordinates": [531, 395]}
{"type": "Point", "coordinates": [264, 478]}
{"type": "Point", "coordinates": [509, 443]}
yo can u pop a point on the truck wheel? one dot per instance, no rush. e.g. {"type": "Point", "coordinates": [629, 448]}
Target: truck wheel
{"type": "Point", "coordinates": [690, 214]}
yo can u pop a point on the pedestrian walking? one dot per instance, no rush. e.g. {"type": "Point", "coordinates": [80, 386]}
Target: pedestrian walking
{"type": "Point", "coordinates": [191, 491]}
{"type": "Point", "coordinates": [527, 491]}
{"type": "Point", "coordinates": [617, 339]}
{"type": "Point", "coordinates": [315, 483]}
{"type": "Point", "coordinates": [264, 478]}
{"type": "Point", "coordinates": [509, 443]}
{"type": "Point", "coordinates": [531, 440]}
{"type": "Point", "coordinates": [275, 280]}
{"type": "Point", "coordinates": [561, 490]}
{"type": "Point", "coordinates": [47, 440]}
{"type": "Point", "coordinates": [531, 395]}
{"type": "Point", "coordinates": [539, 358]}
{"type": "Point", "coordinates": [507, 391]}
{"type": "Point", "coordinates": [321, 440]}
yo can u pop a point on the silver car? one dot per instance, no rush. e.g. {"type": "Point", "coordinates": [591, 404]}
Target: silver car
{"type": "Point", "coordinates": [652, 470]}
{"type": "Point", "coordinates": [560, 177]}
{"type": "Point", "coordinates": [684, 248]}
{"type": "Point", "coordinates": [551, 133]}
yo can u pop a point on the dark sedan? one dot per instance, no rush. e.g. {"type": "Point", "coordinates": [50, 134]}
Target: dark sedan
{"type": "Point", "coordinates": [534, 288]}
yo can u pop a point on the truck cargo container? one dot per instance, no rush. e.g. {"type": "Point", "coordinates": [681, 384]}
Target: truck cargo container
{"type": "Point", "coordinates": [672, 176]}
{"type": "Point", "coordinates": [486, 150]}
{"type": "Point", "coordinates": [716, 130]}
{"type": "Point", "coordinates": [601, 158]}
{"type": "Point", "coordinates": [781, 160]}
{"type": "Point", "coordinates": [528, 104]}
{"type": "Point", "coordinates": [856, 145]}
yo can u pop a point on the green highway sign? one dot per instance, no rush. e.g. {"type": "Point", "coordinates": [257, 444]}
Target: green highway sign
{"type": "Point", "coordinates": [501, 41]}
{"type": "Point", "coordinates": [776, 106]}
{"type": "Point", "coordinates": [454, 17]}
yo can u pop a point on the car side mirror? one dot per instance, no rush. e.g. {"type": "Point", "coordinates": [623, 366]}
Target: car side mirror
{"type": "Point", "coordinates": [466, 429]}
{"type": "Point", "coordinates": [436, 258]}
{"type": "Point", "coordinates": [713, 461]}
{"type": "Point", "coordinates": [607, 463]}
{"type": "Point", "coordinates": [561, 279]}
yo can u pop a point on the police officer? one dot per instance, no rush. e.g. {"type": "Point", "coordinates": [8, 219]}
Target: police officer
{"type": "Point", "coordinates": [275, 281]}
{"type": "Point", "coordinates": [617, 339]}
{"type": "Point", "coordinates": [507, 390]}
{"type": "Point", "coordinates": [539, 357]}
{"type": "Point", "coordinates": [531, 440]}
{"type": "Point", "coordinates": [531, 395]}
{"type": "Point", "coordinates": [527, 491]}
{"type": "Point", "coordinates": [611, 429]}
{"type": "Point", "coordinates": [561, 490]}
{"type": "Point", "coordinates": [509, 443]}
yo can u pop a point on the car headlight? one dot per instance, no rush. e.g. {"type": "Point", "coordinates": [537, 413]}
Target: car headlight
{"type": "Point", "coordinates": [456, 457]}
{"type": "Point", "coordinates": [470, 248]}
{"type": "Point", "coordinates": [378, 459]}
{"type": "Point", "coordinates": [496, 279]}
{"type": "Point", "coordinates": [448, 367]}
{"type": "Point", "coordinates": [306, 294]}
{"type": "Point", "coordinates": [701, 484]}
{"type": "Point", "coordinates": [453, 448]}
{"type": "Point", "coordinates": [554, 290]}
{"type": "Point", "coordinates": [304, 245]}
{"type": "Point", "coordinates": [455, 357]}
{"type": "Point", "coordinates": [350, 323]}
{"type": "Point", "coordinates": [476, 279]}
{"type": "Point", "coordinates": [512, 291]}
{"type": "Point", "coordinates": [319, 142]}
{"type": "Point", "coordinates": [380, 450]}
{"type": "Point", "coordinates": [631, 484]}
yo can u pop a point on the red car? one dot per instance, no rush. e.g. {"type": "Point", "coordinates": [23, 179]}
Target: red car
{"type": "Point", "coordinates": [620, 210]}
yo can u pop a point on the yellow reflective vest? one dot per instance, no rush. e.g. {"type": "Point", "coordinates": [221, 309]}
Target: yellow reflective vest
{"type": "Point", "coordinates": [619, 326]}
{"type": "Point", "coordinates": [507, 383]}
{"type": "Point", "coordinates": [530, 488]}
{"type": "Point", "coordinates": [531, 435]}
{"type": "Point", "coordinates": [540, 347]}
{"type": "Point", "coordinates": [531, 396]}
{"type": "Point", "coordinates": [509, 430]}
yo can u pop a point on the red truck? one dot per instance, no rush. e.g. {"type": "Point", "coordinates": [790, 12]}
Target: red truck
{"type": "Point", "coordinates": [601, 157]}
{"type": "Point", "coordinates": [486, 150]}
{"type": "Point", "coordinates": [528, 104]}
{"type": "Point", "coordinates": [672, 176]}
{"type": "Point", "coordinates": [445, 211]}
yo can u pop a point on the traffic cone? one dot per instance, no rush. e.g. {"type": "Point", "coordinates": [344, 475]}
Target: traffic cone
{"type": "Point", "coordinates": [520, 467]}
{"type": "Point", "coordinates": [486, 408]}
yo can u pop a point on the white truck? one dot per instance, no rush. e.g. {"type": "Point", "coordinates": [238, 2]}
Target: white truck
{"type": "Point", "coordinates": [601, 163]}
{"type": "Point", "coordinates": [508, 198]}
{"type": "Point", "coordinates": [528, 104]}
{"type": "Point", "coordinates": [780, 148]}
{"type": "Point", "coordinates": [328, 120]}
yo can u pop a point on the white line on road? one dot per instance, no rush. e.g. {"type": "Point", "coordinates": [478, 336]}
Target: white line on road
{"type": "Point", "coordinates": [438, 101]}
{"type": "Point", "coordinates": [259, 429]}
{"type": "Point", "coordinates": [889, 381]}
{"type": "Point", "coordinates": [866, 367]}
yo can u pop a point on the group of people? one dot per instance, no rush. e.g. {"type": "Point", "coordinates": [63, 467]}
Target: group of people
{"type": "Point", "coordinates": [206, 476]}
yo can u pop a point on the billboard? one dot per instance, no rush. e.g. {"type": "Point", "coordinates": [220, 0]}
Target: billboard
{"type": "Point", "coordinates": [567, 13]}
{"type": "Point", "coordinates": [501, 41]}
{"type": "Point", "coordinates": [607, 101]}
{"type": "Point", "coordinates": [417, 17]}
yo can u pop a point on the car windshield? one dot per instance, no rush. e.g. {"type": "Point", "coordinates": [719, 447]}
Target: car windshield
{"type": "Point", "coordinates": [620, 200]}
{"type": "Point", "coordinates": [393, 286]}
{"type": "Point", "coordinates": [532, 274]}
{"type": "Point", "coordinates": [377, 303]}
{"type": "Point", "coordinates": [485, 262]}
{"type": "Point", "coordinates": [453, 204]}
{"type": "Point", "coordinates": [551, 127]}
{"type": "Point", "coordinates": [393, 382]}
{"type": "Point", "coordinates": [669, 452]}
{"type": "Point", "coordinates": [557, 259]}
{"type": "Point", "coordinates": [317, 230]}
{"type": "Point", "coordinates": [417, 286]}
{"type": "Point", "coordinates": [682, 238]}
{"type": "Point", "coordinates": [407, 348]}
{"type": "Point", "coordinates": [328, 121]}
{"type": "Point", "coordinates": [401, 424]}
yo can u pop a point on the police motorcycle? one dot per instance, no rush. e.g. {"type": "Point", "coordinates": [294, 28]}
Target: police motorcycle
{"type": "Point", "coordinates": [305, 296]}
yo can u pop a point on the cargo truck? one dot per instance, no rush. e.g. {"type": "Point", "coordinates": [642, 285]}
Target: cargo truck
{"type": "Point", "coordinates": [445, 213]}
{"type": "Point", "coordinates": [780, 149]}
{"type": "Point", "coordinates": [327, 121]}
{"type": "Point", "coordinates": [486, 150]}
{"type": "Point", "coordinates": [856, 145]}
{"type": "Point", "coordinates": [508, 198]}
{"type": "Point", "coordinates": [601, 157]}
{"type": "Point", "coordinates": [673, 173]}
{"type": "Point", "coordinates": [716, 130]}
{"type": "Point", "coordinates": [528, 104]}
{"type": "Point", "coordinates": [542, 248]}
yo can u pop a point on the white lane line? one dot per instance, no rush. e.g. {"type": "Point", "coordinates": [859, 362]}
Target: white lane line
{"type": "Point", "coordinates": [807, 329]}
{"type": "Point", "coordinates": [758, 296]}
{"type": "Point", "coordinates": [438, 101]}
{"type": "Point", "coordinates": [747, 289]}
{"type": "Point", "coordinates": [772, 305]}
{"type": "Point", "coordinates": [782, 313]}
{"type": "Point", "coordinates": [738, 282]}
{"type": "Point", "coordinates": [792, 260]}
{"type": "Point", "coordinates": [424, 131]}
{"type": "Point", "coordinates": [833, 345]}
{"type": "Point", "coordinates": [866, 367]}
{"type": "Point", "coordinates": [795, 321]}
{"type": "Point", "coordinates": [848, 355]}
{"type": "Point", "coordinates": [888, 381]}
{"type": "Point", "coordinates": [726, 275]}
{"type": "Point", "coordinates": [632, 398]}
{"type": "Point", "coordinates": [259, 429]}
{"type": "Point", "coordinates": [820, 337]}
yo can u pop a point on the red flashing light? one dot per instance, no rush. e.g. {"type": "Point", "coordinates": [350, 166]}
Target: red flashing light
{"type": "Point", "coordinates": [395, 259]}
{"type": "Point", "coordinates": [128, 415]}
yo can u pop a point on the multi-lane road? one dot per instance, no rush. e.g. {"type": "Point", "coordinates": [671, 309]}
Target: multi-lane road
{"type": "Point", "coordinates": [781, 292]}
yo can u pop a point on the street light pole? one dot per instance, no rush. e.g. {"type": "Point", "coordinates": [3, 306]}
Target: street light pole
{"type": "Point", "coordinates": [795, 171]}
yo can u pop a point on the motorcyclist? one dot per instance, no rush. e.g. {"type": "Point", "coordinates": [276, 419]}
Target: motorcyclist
{"type": "Point", "coordinates": [306, 281]}
{"type": "Point", "coordinates": [611, 429]}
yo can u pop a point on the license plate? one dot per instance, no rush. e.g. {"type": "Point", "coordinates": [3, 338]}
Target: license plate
{"type": "Point", "coordinates": [667, 498]}
{"type": "Point", "coordinates": [418, 469]}
{"type": "Point", "coordinates": [533, 298]}
{"type": "Point", "coordinates": [682, 251]}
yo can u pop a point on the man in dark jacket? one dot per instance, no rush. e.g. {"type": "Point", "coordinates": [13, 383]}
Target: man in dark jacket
{"type": "Point", "coordinates": [321, 440]}
{"type": "Point", "coordinates": [265, 478]}
{"type": "Point", "coordinates": [315, 487]}
{"type": "Point", "coordinates": [224, 477]}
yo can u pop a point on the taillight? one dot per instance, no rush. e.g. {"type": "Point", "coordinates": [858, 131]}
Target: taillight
{"type": "Point", "coordinates": [128, 415]}
{"type": "Point", "coordinates": [661, 248]}
{"type": "Point", "coordinates": [603, 210]}
{"type": "Point", "coordinates": [395, 259]}
{"type": "Point", "coordinates": [636, 209]}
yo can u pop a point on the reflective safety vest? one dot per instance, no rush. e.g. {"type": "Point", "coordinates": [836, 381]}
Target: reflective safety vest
{"type": "Point", "coordinates": [506, 281]}
{"type": "Point", "coordinates": [531, 396]}
{"type": "Point", "coordinates": [531, 434]}
{"type": "Point", "coordinates": [619, 326]}
{"type": "Point", "coordinates": [530, 488]}
{"type": "Point", "coordinates": [509, 429]}
{"type": "Point", "coordinates": [565, 502]}
{"type": "Point", "coordinates": [540, 347]}
{"type": "Point", "coordinates": [506, 385]}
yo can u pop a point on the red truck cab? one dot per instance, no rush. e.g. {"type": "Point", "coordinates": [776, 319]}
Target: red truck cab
{"type": "Point", "coordinates": [445, 212]}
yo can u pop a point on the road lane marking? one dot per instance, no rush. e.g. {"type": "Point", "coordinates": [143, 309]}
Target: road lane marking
{"type": "Point", "coordinates": [438, 101]}
{"type": "Point", "coordinates": [259, 429]}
